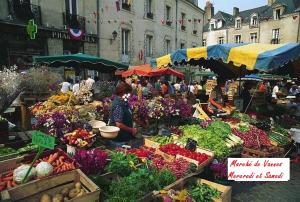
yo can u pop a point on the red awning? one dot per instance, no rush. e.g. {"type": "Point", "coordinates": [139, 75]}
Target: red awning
{"type": "Point", "coordinates": [166, 71]}
{"type": "Point", "coordinates": [141, 70]}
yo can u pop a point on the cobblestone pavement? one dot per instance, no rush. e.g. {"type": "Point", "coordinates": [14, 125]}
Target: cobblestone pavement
{"type": "Point", "coordinates": [269, 191]}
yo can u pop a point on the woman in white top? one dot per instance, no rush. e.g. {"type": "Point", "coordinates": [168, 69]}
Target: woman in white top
{"type": "Point", "coordinates": [65, 87]}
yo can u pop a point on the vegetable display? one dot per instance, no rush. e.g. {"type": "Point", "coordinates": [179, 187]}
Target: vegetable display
{"type": "Point", "coordinates": [122, 164]}
{"type": "Point", "coordinates": [28, 148]}
{"type": "Point", "coordinates": [219, 128]}
{"type": "Point", "coordinates": [138, 184]}
{"type": "Point", "coordinates": [6, 150]}
{"type": "Point", "coordinates": [203, 192]}
{"type": "Point", "coordinates": [79, 138]}
{"type": "Point", "coordinates": [179, 167]}
{"type": "Point", "coordinates": [142, 152]}
{"type": "Point", "coordinates": [91, 161]}
{"type": "Point", "coordinates": [65, 194]}
{"type": "Point", "coordinates": [173, 149]}
{"type": "Point", "coordinates": [161, 139]}
{"type": "Point", "coordinates": [254, 138]}
{"type": "Point", "coordinates": [280, 139]}
{"type": "Point", "coordinates": [205, 139]}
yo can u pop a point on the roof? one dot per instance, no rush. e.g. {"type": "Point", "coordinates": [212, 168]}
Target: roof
{"type": "Point", "coordinates": [264, 13]}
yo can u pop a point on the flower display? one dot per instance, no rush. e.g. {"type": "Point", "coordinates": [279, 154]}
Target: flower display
{"type": "Point", "coordinates": [84, 95]}
{"type": "Point", "coordinates": [79, 138]}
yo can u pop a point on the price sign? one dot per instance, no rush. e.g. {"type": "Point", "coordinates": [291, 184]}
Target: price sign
{"type": "Point", "coordinates": [43, 140]}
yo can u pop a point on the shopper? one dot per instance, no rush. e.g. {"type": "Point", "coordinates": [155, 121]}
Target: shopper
{"type": "Point", "coordinates": [171, 90]}
{"type": "Point", "coordinates": [294, 90]}
{"type": "Point", "coordinates": [275, 91]}
{"type": "Point", "coordinates": [157, 85]}
{"type": "Point", "coordinates": [246, 95]}
{"type": "Point", "coordinates": [164, 88]}
{"type": "Point", "coordinates": [75, 87]}
{"type": "Point", "coordinates": [90, 82]}
{"type": "Point", "coordinates": [66, 86]}
{"type": "Point", "coordinates": [121, 116]}
{"type": "Point", "coordinates": [177, 87]}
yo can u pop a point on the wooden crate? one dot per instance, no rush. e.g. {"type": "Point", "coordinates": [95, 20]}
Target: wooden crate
{"type": "Point", "coordinates": [32, 191]}
{"type": "Point", "coordinates": [248, 153]}
{"type": "Point", "coordinates": [149, 143]}
{"type": "Point", "coordinates": [181, 184]}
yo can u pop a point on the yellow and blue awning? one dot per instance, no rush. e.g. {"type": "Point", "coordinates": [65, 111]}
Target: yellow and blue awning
{"type": "Point", "coordinates": [262, 57]}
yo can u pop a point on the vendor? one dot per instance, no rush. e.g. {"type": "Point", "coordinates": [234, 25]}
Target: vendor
{"type": "Point", "coordinates": [216, 98]}
{"type": "Point", "coordinates": [121, 116]}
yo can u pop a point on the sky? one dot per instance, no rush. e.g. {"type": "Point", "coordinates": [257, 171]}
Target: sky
{"type": "Point", "coordinates": [227, 5]}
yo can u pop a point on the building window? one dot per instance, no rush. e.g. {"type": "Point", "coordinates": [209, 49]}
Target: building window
{"type": "Point", "coordinates": [254, 21]}
{"type": "Point", "coordinates": [71, 7]}
{"type": "Point", "coordinates": [238, 23]}
{"type": "Point", "coordinates": [253, 37]}
{"type": "Point", "coordinates": [275, 36]}
{"type": "Point", "coordinates": [238, 39]}
{"type": "Point", "coordinates": [221, 40]}
{"type": "Point", "coordinates": [212, 26]}
{"type": "Point", "coordinates": [195, 28]}
{"type": "Point", "coordinates": [277, 14]}
{"type": "Point", "coordinates": [194, 45]}
{"type": "Point", "coordinates": [168, 46]}
{"type": "Point", "coordinates": [204, 42]}
{"type": "Point", "coordinates": [182, 45]}
{"type": "Point", "coordinates": [149, 9]}
{"type": "Point", "coordinates": [126, 4]}
{"type": "Point", "coordinates": [183, 22]}
{"type": "Point", "coordinates": [168, 16]}
{"type": "Point", "coordinates": [125, 41]}
{"type": "Point", "coordinates": [149, 46]}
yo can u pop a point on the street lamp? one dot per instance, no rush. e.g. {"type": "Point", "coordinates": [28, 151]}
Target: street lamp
{"type": "Point", "coordinates": [114, 36]}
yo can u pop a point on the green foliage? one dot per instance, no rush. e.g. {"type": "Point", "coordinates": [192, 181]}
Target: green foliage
{"type": "Point", "coordinates": [203, 192]}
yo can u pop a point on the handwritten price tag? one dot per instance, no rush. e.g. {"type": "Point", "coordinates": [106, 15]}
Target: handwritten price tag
{"type": "Point", "coordinates": [43, 140]}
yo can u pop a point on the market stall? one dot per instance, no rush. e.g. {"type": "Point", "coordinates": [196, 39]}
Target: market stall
{"type": "Point", "coordinates": [165, 71]}
{"type": "Point", "coordinates": [141, 70]}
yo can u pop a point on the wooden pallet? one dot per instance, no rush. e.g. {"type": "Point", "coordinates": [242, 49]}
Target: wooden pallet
{"type": "Point", "coordinates": [149, 143]}
{"type": "Point", "coordinates": [181, 184]}
{"type": "Point", "coordinates": [248, 153]}
{"type": "Point", "coordinates": [32, 191]}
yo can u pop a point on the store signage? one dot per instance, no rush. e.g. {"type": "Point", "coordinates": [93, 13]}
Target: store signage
{"type": "Point", "coordinates": [31, 29]}
{"type": "Point", "coordinates": [259, 169]}
{"type": "Point", "coordinates": [43, 140]}
{"type": "Point", "coordinates": [65, 35]}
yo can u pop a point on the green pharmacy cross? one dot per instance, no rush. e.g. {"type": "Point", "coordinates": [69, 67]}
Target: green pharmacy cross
{"type": "Point", "coordinates": [31, 29]}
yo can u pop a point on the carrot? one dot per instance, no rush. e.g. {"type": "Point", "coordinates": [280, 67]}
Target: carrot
{"type": "Point", "coordinates": [2, 188]}
{"type": "Point", "coordinates": [53, 157]}
{"type": "Point", "coordinates": [61, 159]}
{"type": "Point", "coordinates": [7, 178]}
{"type": "Point", "coordinates": [9, 174]}
{"type": "Point", "coordinates": [2, 183]}
{"type": "Point", "coordinates": [13, 183]}
{"type": "Point", "coordinates": [9, 185]}
{"type": "Point", "coordinates": [57, 162]}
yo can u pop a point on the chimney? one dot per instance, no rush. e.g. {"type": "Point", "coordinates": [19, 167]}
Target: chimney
{"type": "Point", "coordinates": [270, 2]}
{"type": "Point", "coordinates": [235, 11]}
{"type": "Point", "coordinates": [209, 11]}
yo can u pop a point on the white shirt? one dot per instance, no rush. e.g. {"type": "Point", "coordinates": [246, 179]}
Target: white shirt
{"type": "Point", "coordinates": [75, 88]}
{"type": "Point", "coordinates": [177, 86]}
{"type": "Point", "coordinates": [65, 87]}
{"type": "Point", "coordinates": [192, 88]}
{"type": "Point", "coordinates": [275, 91]}
{"type": "Point", "coordinates": [90, 82]}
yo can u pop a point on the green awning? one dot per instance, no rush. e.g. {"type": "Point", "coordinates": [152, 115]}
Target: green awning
{"type": "Point", "coordinates": [204, 73]}
{"type": "Point", "coordinates": [80, 60]}
{"type": "Point", "coordinates": [273, 77]}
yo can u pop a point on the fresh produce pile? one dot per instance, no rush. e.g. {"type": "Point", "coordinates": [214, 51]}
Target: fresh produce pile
{"type": "Point", "coordinates": [142, 152]}
{"type": "Point", "coordinates": [219, 128]}
{"type": "Point", "coordinates": [138, 184]}
{"type": "Point", "coordinates": [162, 139]}
{"type": "Point", "coordinates": [196, 192]}
{"type": "Point", "coordinates": [91, 161]}
{"type": "Point", "coordinates": [28, 148]}
{"type": "Point", "coordinates": [173, 149]}
{"type": "Point", "coordinates": [176, 130]}
{"type": "Point", "coordinates": [65, 194]}
{"type": "Point", "coordinates": [79, 138]}
{"type": "Point", "coordinates": [179, 167]}
{"type": "Point", "coordinates": [122, 164]}
{"type": "Point", "coordinates": [281, 130]}
{"type": "Point", "coordinates": [203, 192]}
{"type": "Point", "coordinates": [220, 170]}
{"type": "Point", "coordinates": [244, 117]}
{"type": "Point", "coordinates": [280, 139]}
{"type": "Point", "coordinates": [254, 138]}
{"type": "Point", "coordinates": [206, 139]}
{"type": "Point", "coordinates": [263, 125]}
{"type": "Point", "coordinates": [6, 151]}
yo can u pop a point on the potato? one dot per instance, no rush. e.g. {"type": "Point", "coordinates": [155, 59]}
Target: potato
{"type": "Point", "coordinates": [78, 186]}
{"type": "Point", "coordinates": [65, 191]}
{"type": "Point", "coordinates": [73, 193]}
{"type": "Point", "coordinates": [58, 198]}
{"type": "Point", "coordinates": [45, 198]}
{"type": "Point", "coordinates": [80, 193]}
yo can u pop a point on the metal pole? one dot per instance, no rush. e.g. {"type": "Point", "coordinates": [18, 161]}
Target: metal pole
{"type": "Point", "coordinates": [98, 28]}
{"type": "Point", "coordinates": [176, 24]}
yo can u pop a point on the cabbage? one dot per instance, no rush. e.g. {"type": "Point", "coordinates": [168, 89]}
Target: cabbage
{"type": "Point", "coordinates": [44, 169]}
{"type": "Point", "coordinates": [20, 173]}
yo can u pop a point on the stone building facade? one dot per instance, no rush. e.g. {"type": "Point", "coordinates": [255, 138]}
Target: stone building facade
{"type": "Point", "coordinates": [276, 22]}
{"type": "Point", "coordinates": [130, 31]}
{"type": "Point", "coordinates": [146, 29]}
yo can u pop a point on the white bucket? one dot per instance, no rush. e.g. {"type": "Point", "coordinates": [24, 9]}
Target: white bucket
{"type": "Point", "coordinates": [295, 134]}
{"type": "Point", "coordinates": [71, 150]}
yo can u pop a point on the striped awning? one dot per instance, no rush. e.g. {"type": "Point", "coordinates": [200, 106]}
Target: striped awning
{"type": "Point", "coordinates": [262, 57]}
